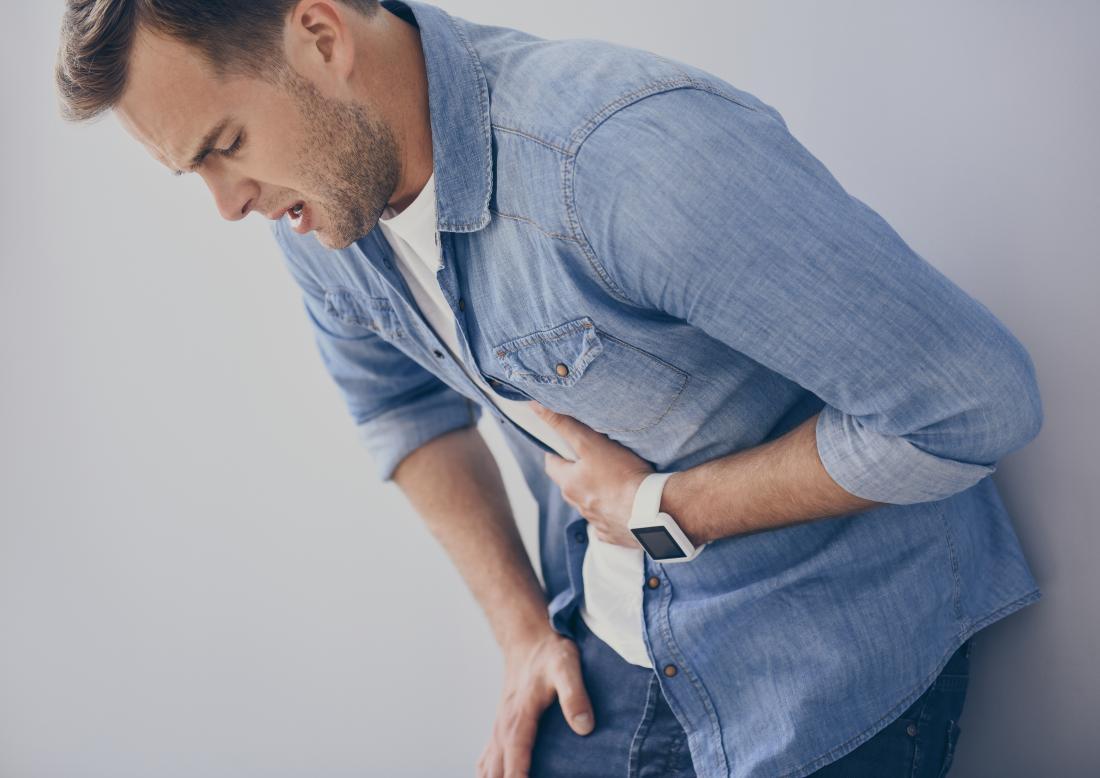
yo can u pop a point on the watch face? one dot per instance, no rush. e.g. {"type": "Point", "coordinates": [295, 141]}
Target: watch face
{"type": "Point", "coordinates": [658, 543]}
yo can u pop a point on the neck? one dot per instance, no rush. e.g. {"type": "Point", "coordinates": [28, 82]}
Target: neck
{"type": "Point", "coordinates": [398, 75]}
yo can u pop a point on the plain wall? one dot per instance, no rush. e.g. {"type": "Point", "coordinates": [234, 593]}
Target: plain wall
{"type": "Point", "coordinates": [199, 574]}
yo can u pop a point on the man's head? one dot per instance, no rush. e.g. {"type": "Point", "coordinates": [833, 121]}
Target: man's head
{"type": "Point", "coordinates": [269, 101]}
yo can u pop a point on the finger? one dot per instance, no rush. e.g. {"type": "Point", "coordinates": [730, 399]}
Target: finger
{"type": "Point", "coordinates": [576, 433]}
{"type": "Point", "coordinates": [555, 466]}
{"type": "Point", "coordinates": [489, 764]}
{"type": "Point", "coordinates": [521, 740]}
{"type": "Point", "coordinates": [573, 698]}
{"type": "Point", "coordinates": [494, 758]}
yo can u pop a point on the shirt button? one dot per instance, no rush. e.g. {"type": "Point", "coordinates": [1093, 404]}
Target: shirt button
{"type": "Point", "coordinates": [461, 304]}
{"type": "Point", "coordinates": [653, 582]}
{"type": "Point", "coordinates": [670, 670]}
{"type": "Point", "coordinates": [437, 352]}
{"type": "Point", "coordinates": [580, 537]}
{"type": "Point", "coordinates": [912, 730]}
{"type": "Point", "coordinates": [561, 369]}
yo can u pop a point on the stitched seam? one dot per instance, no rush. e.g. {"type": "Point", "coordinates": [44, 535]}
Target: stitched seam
{"type": "Point", "coordinates": [359, 310]}
{"type": "Point", "coordinates": [547, 335]}
{"type": "Point", "coordinates": [683, 383]}
{"type": "Point", "coordinates": [536, 225]}
{"type": "Point", "coordinates": [954, 557]}
{"type": "Point", "coordinates": [598, 334]}
{"type": "Point", "coordinates": [569, 165]}
{"type": "Point", "coordinates": [579, 366]}
{"type": "Point", "coordinates": [922, 724]}
{"type": "Point", "coordinates": [677, 654]}
{"type": "Point", "coordinates": [529, 136]}
{"type": "Point", "coordinates": [580, 135]}
{"type": "Point", "coordinates": [949, 752]}
{"type": "Point", "coordinates": [642, 730]}
{"type": "Point", "coordinates": [486, 128]}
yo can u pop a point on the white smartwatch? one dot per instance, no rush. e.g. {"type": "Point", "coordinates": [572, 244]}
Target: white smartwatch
{"type": "Point", "coordinates": [656, 531]}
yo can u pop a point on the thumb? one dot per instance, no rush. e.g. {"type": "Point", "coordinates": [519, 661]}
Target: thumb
{"type": "Point", "coordinates": [574, 702]}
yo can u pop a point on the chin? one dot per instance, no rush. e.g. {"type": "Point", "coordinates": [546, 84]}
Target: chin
{"type": "Point", "coordinates": [333, 245]}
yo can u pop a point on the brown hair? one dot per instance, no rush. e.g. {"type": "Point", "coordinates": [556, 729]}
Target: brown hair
{"type": "Point", "coordinates": [233, 36]}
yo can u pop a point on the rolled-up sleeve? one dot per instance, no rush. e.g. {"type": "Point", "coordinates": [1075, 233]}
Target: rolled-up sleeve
{"type": "Point", "coordinates": [395, 403]}
{"type": "Point", "coordinates": [709, 210]}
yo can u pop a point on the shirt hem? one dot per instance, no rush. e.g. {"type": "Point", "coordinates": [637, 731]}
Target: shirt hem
{"type": "Point", "coordinates": [961, 637]}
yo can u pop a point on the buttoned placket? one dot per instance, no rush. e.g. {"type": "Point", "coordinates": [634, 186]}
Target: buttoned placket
{"type": "Point", "coordinates": [448, 283]}
{"type": "Point", "coordinates": [683, 691]}
{"type": "Point", "coordinates": [575, 532]}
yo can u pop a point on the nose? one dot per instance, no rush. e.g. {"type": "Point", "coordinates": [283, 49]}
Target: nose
{"type": "Point", "coordinates": [234, 198]}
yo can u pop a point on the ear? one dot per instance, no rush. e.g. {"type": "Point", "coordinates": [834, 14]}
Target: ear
{"type": "Point", "coordinates": [319, 44]}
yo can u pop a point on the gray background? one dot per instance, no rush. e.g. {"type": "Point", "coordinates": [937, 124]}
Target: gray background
{"type": "Point", "coordinates": [199, 575]}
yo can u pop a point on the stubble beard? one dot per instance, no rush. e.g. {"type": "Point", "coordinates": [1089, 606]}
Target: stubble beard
{"type": "Point", "coordinates": [350, 162]}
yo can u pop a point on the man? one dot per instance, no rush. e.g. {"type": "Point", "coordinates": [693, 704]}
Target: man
{"type": "Point", "coordinates": [686, 328]}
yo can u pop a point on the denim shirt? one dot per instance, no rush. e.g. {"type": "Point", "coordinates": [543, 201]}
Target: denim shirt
{"type": "Point", "coordinates": [709, 285]}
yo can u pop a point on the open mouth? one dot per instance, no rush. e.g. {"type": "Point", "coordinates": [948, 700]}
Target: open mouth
{"type": "Point", "coordinates": [297, 215]}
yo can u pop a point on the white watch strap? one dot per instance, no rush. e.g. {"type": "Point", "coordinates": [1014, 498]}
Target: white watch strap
{"type": "Point", "coordinates": [646, 512]}
{"type": "Point", "coordinates": [647, 499]}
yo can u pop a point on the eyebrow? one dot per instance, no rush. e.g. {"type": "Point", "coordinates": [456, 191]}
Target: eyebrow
{"type": "Point", "coordinates": [206, 145]}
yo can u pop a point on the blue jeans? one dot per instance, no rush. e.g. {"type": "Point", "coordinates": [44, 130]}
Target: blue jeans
{"type": "Point", "coordinates": [638, 736]}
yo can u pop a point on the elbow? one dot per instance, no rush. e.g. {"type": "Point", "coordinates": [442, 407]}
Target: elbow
{"type": "Point", "coordinates": [1017, 406]}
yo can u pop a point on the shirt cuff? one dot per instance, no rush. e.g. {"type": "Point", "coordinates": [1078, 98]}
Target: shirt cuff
{"type": "Point", "coordinates": [888, 468]}
{"type": "Point", "coordinates": [393, 435]}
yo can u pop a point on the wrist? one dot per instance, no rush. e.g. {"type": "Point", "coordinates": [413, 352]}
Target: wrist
{"type": "Point", "coordinates": [523, 627]}
{"type": "Point", "coordinates": [520, 642]}
{"type": "Point", "coordinates": [674, 504]}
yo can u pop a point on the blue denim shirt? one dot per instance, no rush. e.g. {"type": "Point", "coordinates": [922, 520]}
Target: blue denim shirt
{"type": "Point", "coordinates": [710, 285]}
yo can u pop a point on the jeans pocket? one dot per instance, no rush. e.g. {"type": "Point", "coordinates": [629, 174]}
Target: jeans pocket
{"type": "Point", "coordinates": [953, 731]}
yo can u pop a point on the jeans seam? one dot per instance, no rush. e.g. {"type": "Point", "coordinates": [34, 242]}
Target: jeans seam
{"type": "Point", "coordinates": [643, 727]}
{"type": "Point", "coordinates": [949, 748]}
{"type": "Point", "coordinates": [921, 727]}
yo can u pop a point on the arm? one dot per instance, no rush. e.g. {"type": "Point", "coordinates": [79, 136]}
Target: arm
{"type": "Point", "coordinates": [454, 484]}
{"type": "Point", "coordinates": [422, 435]}
{"type": "Point", "coordinates": [764, 487]}
{"type": "Point", "coordinates": [709, 210]}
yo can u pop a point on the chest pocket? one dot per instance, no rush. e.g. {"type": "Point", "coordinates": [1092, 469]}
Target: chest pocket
{"type": "Point", "coordinates": [581, 371]}
{"type": "Point", "coordinates": [357, 309]}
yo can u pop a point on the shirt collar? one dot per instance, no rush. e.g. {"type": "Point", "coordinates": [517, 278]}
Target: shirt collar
{"type": "Point", "coordinates": [458, 103]}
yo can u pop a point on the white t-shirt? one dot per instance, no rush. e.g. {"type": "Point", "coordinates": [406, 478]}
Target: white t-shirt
{"type": "Point", "coordinates": [613, 575]}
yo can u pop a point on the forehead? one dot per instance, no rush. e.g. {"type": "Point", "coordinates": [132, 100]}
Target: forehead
{"type": "Point", "coordinates": [173, 97]}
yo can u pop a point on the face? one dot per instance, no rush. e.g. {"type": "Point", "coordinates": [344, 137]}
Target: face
{"type": "Point", "coordinates": [276, 145]}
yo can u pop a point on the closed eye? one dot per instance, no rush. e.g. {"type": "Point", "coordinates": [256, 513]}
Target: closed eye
{"type": "Point", "coordinates": [234, 148]}
{"type": "Point", "coordinates": [229, 152]}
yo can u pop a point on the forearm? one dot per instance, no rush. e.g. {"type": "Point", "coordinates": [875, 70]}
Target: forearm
{"type": "Point", "coordinates": [774, 484]}
{"type": "Point", "coordinates": [454, 483]}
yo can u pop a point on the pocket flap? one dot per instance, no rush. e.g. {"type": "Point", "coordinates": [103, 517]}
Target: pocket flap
{"type": "Point", "coordinates": [358, 309]}
{"type": "Point", "coordinates": [555, 356]}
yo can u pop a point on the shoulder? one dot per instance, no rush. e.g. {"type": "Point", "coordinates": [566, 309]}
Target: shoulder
{"type": "Point", "coordinates": [555, 90]}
